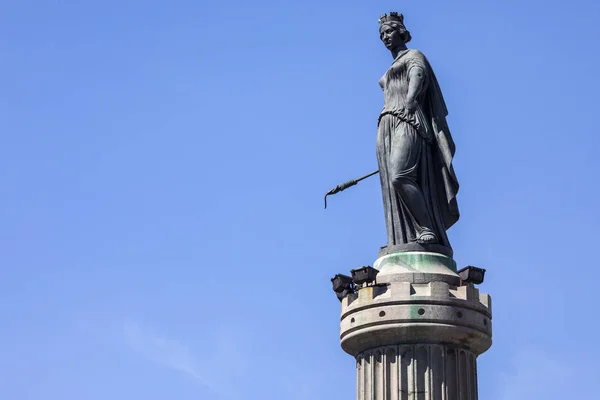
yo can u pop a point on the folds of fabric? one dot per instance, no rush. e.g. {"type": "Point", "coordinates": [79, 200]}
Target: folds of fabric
{"type": "Point", "coordinates": [418, 148]}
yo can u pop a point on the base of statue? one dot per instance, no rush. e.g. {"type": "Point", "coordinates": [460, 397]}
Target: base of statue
{"type": "Point", "coordinates": [416, 332]}
{"type": "Point", "coordinates": [416, 267]}
{"type": "Point", "coordinates": [409, 247]}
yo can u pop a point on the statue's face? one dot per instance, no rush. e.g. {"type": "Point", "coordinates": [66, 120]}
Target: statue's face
{"type": "Point", "coordinates": [390, 36]}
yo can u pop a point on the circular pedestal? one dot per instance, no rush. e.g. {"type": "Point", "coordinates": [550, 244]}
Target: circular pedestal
{"type": "Point", "coordinates": [416, 333]}
{"type": "Point", "coordinates": [416, 267]}
{"type": "Point", "coordinates": [408, 313]}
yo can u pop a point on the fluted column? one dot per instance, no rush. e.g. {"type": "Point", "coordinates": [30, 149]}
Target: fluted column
{"type": "Point", "coordinates": [416, 372]}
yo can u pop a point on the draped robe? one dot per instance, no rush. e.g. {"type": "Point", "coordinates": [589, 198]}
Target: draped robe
{"type": "Point", "coordinates": [416, 146]}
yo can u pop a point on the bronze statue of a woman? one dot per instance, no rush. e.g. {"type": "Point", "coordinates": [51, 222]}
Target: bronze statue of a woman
{"type": "Point", "coordinates": [414, 145]}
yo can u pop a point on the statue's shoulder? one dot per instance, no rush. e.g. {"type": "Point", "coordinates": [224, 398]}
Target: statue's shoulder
{"type": "Point", "coordinates": [416, 57]}
{"type": "Point", "coordinates": [414, 53]}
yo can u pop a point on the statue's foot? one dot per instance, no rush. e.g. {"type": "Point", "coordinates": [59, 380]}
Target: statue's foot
{"type": "Point", "coordinates": [427, 237]}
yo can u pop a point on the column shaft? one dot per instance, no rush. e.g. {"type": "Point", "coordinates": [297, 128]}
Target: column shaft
{"type": "Point", "coordinates": [416, 372]}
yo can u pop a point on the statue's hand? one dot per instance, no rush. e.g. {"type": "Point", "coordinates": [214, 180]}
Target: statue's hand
{"type": "Point", "coordinates": [411, 106]}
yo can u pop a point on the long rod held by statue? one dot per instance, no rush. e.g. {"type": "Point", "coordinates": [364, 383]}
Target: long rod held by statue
{"type": "Point", "coordinates": [346, 185]}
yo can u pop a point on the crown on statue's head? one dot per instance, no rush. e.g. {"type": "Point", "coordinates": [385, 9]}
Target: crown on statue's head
{"type": "Point", "coordinates": [394, 16]}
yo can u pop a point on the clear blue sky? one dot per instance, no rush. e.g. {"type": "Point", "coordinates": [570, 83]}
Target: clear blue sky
{"type": "Point", "coordinates": [163, 163]}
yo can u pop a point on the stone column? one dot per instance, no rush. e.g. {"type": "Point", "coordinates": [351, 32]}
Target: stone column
{"type": "Point", "coordinates": [416, 335]}
{"type": "Point", "coordinates": [416, 372]}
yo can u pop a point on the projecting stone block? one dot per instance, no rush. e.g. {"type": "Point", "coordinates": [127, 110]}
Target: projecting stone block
{"type": "Point", "coordinates": [439, 290]}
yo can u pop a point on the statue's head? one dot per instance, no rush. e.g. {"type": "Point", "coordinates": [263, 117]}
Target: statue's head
{"type": "Point", "coordinates": [392, 31]}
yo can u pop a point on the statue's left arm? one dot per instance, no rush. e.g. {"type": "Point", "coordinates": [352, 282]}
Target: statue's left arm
{"type": "Point", "coordinates": [416, 80]}
{"type": "Point", "coordinates": [417, 77]}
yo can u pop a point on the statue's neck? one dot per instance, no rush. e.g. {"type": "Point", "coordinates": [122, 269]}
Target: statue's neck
{"type": "Point", "coordinates": [398, 50]}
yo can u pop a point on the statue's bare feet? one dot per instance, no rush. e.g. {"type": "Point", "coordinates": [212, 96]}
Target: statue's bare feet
{"type": "Point", "coordinates": [427, 237]}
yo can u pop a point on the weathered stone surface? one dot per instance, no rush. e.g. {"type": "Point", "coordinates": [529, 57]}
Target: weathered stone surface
{"type": "Point", "coordinates": [416, 267]}
{"type": "Point", "coordinates": [402, 313]}
{"type": "Point", "coordinates": [416, 340]}
{"type": "Point", "coordinates": [410, 372]}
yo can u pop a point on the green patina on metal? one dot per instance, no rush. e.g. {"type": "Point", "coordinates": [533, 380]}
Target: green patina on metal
{"type": "Point", "coordinates": [419, 261]}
